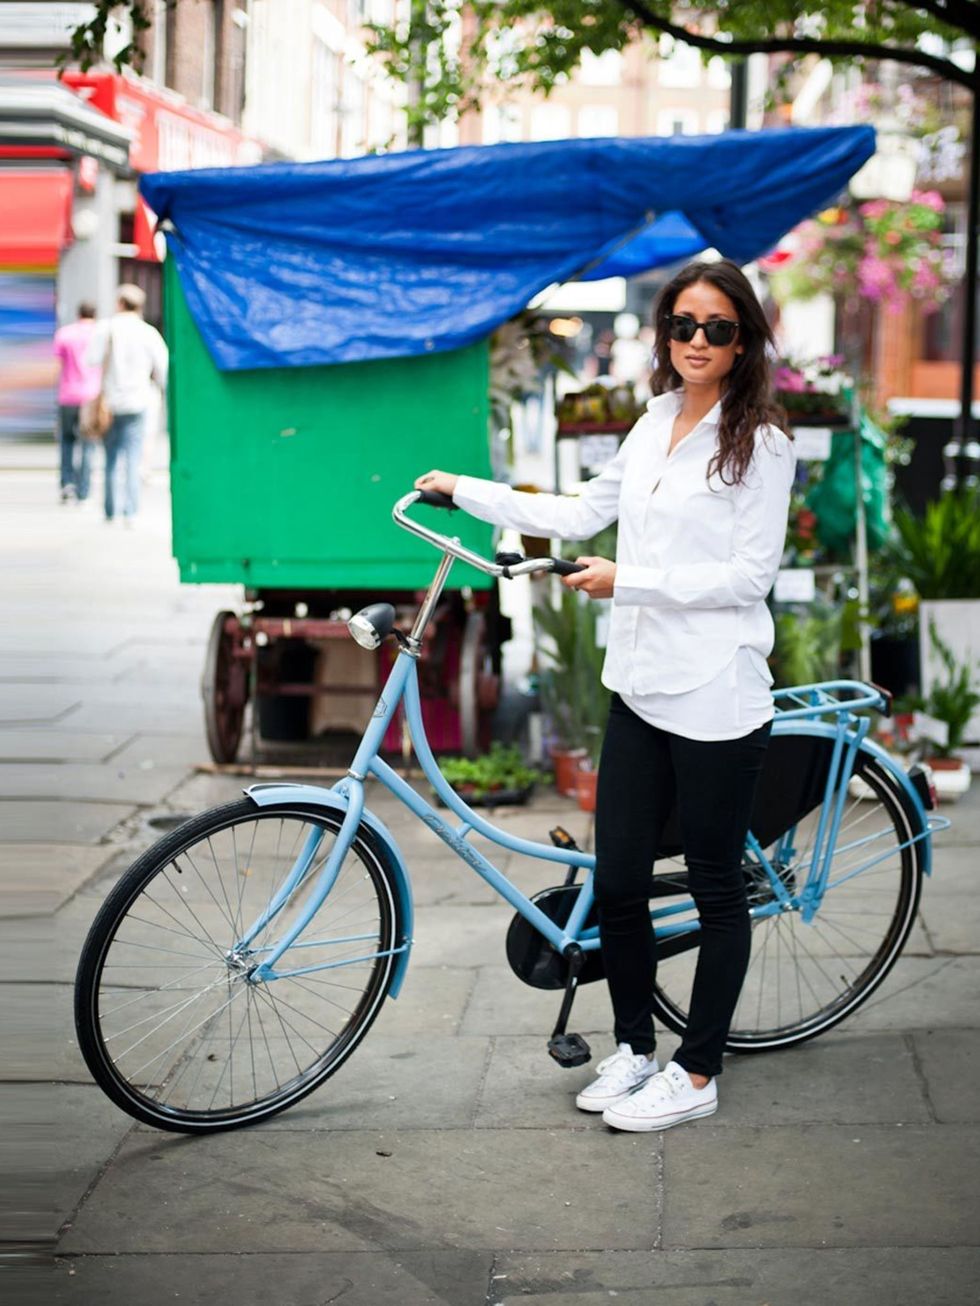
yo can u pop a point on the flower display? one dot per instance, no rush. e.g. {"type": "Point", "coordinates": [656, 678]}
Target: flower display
{"type": "Point", "coordinates": [815, 388]}
{"type": "Point", "coordinates": [892, 252]}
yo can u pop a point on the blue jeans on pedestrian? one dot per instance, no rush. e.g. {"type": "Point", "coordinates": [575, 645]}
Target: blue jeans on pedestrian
{"type": "Point", "coordinates": [123, 444]}
{"type": "Point", "coordinates": [76, 453]}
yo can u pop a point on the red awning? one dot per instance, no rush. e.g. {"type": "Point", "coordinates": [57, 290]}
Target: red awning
{"type": "Point", "coordinates": [35, 216]}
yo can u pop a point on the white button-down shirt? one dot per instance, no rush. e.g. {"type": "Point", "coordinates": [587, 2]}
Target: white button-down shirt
{"type": "Point", "coordinates": [695, 558]}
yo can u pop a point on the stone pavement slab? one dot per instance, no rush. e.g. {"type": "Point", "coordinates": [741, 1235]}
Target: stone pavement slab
{"type": "Point", "coordinates": [835, 1079]}
{"type": "Point", "coordinates": [39, 1030]}
{"type": "Point", "coordinates": [408, 1278]}
{"type": "Point", "coordinates": [950, 1064]}
{"type": "Point", "coordinates": [859, 1185]}
{"type": "Point", "coordinates": [35, 821]}
{"type": "Point", "coordinates": [923, 993]}
{"type": "Point", "coordinates": [58, 745]}
{"type": "Point", "coordinates": [394, 1082]}
{"type": "Point", "coordinates": [865, 1276]}
{"type": "Point", "coordinates": [280, 1191]}
{"type": "Point", "coordinates": [502, 1004]}
{"type": "Point", "coordinates": [87, 782]}
{"type": "Point", "coordinates": [44, 703]}
{"type": "Point", "coordinates": [952, 922]}
{"type": "Point", "coordinates": [38, 878]}
{"type": "Point", "coordinates": [66, 1134]}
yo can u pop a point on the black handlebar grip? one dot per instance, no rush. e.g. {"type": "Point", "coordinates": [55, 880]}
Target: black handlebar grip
{"type": "Point", "coordinates": [436, 500]}
{"type": "Point", "coordinates": [562, 567]}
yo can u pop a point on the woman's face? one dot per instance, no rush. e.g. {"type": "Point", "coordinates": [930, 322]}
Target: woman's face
{"type": "Point", "coordinates": [698, 363]}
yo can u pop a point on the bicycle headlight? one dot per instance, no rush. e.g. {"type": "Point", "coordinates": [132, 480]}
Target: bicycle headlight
{"type": "Point", "coordinates": [372, 624]}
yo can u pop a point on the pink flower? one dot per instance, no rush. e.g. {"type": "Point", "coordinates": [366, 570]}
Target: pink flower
{"type": "Point", "coordinates": [874, 209]}
{"type": "Point", "coordinates": [876, 278]}
{"type": "Point", "coordinates": [930, 199]}
{"type": "Point", "coordinates": [786, 378]}
{"type": "Point", "coordinates": [925, 280]}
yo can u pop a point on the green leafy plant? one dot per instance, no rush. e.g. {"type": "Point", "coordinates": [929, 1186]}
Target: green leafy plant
{"type": "Point", "coordinates": [572, 692]}
{"type": "Point", "coordinates": [808, 645]}
{"type": "Point", "coordinates": [953, 699]}
{"type": "Point", "coordinates": [502, 769]}
{"type": "Point", "coordinates": [940, 551]}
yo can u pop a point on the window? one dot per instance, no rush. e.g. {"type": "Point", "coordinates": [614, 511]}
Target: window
{"type": "Point", "coordinates": [326, 91]}
{"type": "Point", "coordinates": [719, 73]}
{"type": "Point", "coordinates": [352, 122]}
{"type": "Point", "coordinates": [716, 121]}
{"type": "Point", "coordinates": [677, 122]}
{"type": "Point", "coordinates": [157, 70]}
{"type": "Point", "coordinates": [680, 65]}
{"type": "Point", "coordinates": [604, 69]}
{"type": "Point", "coordinates": [501, 122]}
{"type": "Point", "coordinates": [550, 122]}
{"type": "Point", "coordinates": [598, 120]}
{"type": "Point", "coordinates": [209, 53]}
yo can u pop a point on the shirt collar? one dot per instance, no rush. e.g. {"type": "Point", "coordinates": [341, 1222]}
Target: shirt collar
{"type": "Point", "coordinates": [711, 418]}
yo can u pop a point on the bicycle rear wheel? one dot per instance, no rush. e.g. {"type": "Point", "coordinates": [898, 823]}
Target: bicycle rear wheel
{"type": "Point", "coordinates": [805, 978]}
{"type": "Point", "coordinates": [169, 1022]}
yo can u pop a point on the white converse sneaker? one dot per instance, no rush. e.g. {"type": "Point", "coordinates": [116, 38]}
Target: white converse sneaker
{"type": "Point", "coordinates": [669, 1098]}
{"type": "Point", "coordinates": [618, 1075]}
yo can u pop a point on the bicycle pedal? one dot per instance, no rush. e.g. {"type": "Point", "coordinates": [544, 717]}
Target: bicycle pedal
{"type": "Point", "coordinates": [560, 837]}
{"type": "Point", "coordinates": [569, 1050]}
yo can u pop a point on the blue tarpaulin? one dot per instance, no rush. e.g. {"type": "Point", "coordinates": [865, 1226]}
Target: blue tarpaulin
{"type": "Point", "coordinates": [666, 240]}
{"type": "Point", "coordinates": [293, 264]}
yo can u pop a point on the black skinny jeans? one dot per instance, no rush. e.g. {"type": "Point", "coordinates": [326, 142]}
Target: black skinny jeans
{"type": "Point", "coordinates": [641, 772]}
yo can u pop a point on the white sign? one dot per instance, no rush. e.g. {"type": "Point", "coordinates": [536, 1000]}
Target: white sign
{"type": "Point", "coordinates": [812, 442]}
{"type": "Point", "coordinates": [795, 585]}
{"type": "Point", "coordinates": [597, 450]}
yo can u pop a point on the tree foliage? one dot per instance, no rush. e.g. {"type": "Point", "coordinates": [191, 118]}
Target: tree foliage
{"type": "Point", "coordinates": [537, 46]}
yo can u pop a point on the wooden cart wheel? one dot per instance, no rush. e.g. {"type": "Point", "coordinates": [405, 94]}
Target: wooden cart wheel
{"type": "Point", "coordinates": [224, 688]}
{"type": "Point", "coordinates": [478, 689]}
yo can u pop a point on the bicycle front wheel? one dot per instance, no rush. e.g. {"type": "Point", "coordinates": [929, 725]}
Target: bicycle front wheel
{"type": "Point", "coordinates": [170, 1020]}
{"type": "Point", "coordinates": [802, 978]}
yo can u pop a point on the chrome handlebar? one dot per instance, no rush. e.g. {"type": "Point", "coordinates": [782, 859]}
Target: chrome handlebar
{"type": "Point", "coordinates": [452, 546]}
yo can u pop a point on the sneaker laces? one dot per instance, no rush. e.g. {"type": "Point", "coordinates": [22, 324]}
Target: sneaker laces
{"type": "Point", "coordinates": [622, 1066]}
{"type": "Point", "coordinates": [669, 1082]}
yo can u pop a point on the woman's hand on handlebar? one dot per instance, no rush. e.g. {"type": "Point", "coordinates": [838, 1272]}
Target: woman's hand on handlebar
{"type": "Point", "coordinates": [437, 482]}
{"type": "Point", "coordinates": [597, 580]}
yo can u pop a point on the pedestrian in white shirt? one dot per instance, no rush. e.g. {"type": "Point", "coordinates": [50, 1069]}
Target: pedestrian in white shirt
{"type": "Point", "coordinates": [134, 358]}
{"type": "Point", "coordinates": [701, 489]}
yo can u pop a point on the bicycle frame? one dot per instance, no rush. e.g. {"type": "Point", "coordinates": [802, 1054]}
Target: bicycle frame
{"type": "Point", "coordinates": [811, 703]}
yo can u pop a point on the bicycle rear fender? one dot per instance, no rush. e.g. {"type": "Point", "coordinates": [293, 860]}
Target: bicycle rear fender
{"type": "Point", "coordinates": [826, 730]}
{"type": "Point", "coordinates": [273, 794]}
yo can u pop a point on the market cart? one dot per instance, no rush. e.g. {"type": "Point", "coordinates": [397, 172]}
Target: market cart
{"type": "Point", "coordinates": [329, 328]}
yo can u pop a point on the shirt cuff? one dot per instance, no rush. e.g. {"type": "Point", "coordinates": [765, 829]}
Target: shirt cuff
{"type": "Point", "coordinates": [473, 491]}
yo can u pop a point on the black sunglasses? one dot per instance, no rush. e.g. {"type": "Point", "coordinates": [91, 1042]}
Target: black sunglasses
{"type": "Point", "coordinates": [719, 331]}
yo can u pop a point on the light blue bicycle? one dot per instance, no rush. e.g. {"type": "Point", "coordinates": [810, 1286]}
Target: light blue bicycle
{"type": "Point", "coordinates": [241, 960]}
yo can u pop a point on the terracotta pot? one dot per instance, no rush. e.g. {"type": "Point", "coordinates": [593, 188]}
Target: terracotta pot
{"type": "Point", "coordinates": [566, 762]}
{"type": "Point", "coordinates": [587, 781]}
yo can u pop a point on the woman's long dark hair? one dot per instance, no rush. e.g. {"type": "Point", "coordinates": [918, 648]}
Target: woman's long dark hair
{"type": "Point", "coordinates": [746, 400]}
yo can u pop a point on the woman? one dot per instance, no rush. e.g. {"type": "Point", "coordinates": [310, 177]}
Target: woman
{"type": "Point", "coordinates": [701, 489]}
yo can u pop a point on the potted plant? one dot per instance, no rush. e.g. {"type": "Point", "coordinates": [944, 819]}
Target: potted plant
{"type": "Point", "coordinates": [572, 693]}
{"type": "Point", "coordinates": [949, 705]}
{"type": "Point", "coordinates": [808, 643]}
{"type": "Point", "coordinates": [497, 778]}
{"type": "Point", "coordinates": [814, 392]}
{"type": "Point", "coordinates": [939, 553]}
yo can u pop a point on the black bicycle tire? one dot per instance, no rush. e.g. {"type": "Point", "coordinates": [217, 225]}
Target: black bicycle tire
{"type": "Point", "coordinates": [820, 1022]}
{"type": "Point", "coordinates": [113, 912]}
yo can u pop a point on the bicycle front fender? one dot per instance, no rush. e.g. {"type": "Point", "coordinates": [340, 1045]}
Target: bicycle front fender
{"type": "Point", "coordinates": [825, 730]}
{"type": "Point", "coordinates": [331, 800]}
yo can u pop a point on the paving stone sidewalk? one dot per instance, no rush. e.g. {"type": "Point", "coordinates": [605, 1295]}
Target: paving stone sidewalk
{"type": "Point", "coordinates": [446, 1163]}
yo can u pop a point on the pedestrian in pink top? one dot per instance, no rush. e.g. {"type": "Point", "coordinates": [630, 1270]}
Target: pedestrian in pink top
{"type": "Point", "coordinates": [79, 383]}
